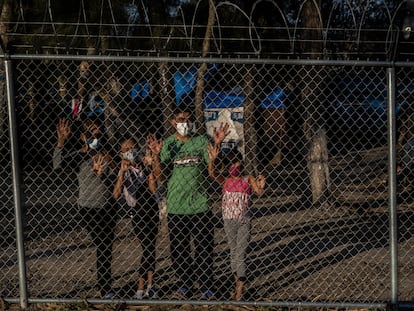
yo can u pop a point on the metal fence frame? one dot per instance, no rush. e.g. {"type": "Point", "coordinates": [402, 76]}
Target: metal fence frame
{"type": "Point", "coordinates": [24, 300]}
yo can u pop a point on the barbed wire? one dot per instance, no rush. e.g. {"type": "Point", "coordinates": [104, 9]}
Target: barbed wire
{"type": "Point", "coordinates": [336, 41]}
{"type": "Point", "coordinates": [256, 39]}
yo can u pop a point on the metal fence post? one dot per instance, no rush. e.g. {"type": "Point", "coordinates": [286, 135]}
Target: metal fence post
{"type": "Point", "coordinates": [16, 183]}
{"type": "Point", "coordinates": [392, 185]}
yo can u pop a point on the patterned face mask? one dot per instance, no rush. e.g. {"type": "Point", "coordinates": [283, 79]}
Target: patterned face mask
{"type": "Point", "coordinates": [94, 143]}
{"type": "Point", "coordinates": [234, 170]}
{"type": "Point", "coordinates": [130, 155]}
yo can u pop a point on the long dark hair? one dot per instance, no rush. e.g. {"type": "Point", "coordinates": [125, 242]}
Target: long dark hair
{"type": "Point", "coordinates": [232, 156]}
{"type": "Point", "coordinates": [86, 125]}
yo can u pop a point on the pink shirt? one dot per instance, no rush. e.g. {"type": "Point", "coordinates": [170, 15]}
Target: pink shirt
{"type": "Point", "coordinates": [236, 199]}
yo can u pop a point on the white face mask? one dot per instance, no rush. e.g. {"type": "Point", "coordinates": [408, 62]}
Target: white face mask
{"type": "Point", "coordinates": [94, 143]}
{"type": "Point", "coordinates": [185, 129]}
{"type": "Point", "coordinates": [130, 155]}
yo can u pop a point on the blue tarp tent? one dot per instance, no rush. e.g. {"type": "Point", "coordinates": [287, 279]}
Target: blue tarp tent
{"type": "Point", "coordinates": [140, 91]}
{"type": "Point", "coordinates": [220, 99]}
{"type": "Point", "coordinates": [185, 82]}
{"type": "Point", "coordinates": [275, 99]}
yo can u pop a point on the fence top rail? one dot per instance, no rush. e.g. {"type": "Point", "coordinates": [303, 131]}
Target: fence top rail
{"type": "Point", "coordinates": [219, 60]}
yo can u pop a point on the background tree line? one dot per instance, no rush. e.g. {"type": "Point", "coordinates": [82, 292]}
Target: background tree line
{"type": "Point", "coordinates": [312, 29]}
{"type": "Point", "coordinates": [345, 28]}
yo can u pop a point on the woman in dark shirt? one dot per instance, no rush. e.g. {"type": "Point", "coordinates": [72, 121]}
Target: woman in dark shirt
{"type": "Point", "coordinates": [95, 176]}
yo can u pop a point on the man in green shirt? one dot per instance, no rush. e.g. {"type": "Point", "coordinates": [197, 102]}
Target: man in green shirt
{"type": "Point", "coordinates": [189, 214]}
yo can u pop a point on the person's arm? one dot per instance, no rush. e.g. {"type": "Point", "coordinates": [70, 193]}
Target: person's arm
{"type": "Point", "coordinates": [104, 168]}
{"type": "Point", "coordinates": [213, 151]}
{"type": "Point", "coordinates": [257, 184]}
{"type": "Point", "coordinates": [156, 166]}
{"type": "Point", "coordinates": [152, 183]}
{"type": "Point", "coordinates": [116, 192]}
{"type": "Point", "coordinates": [220, 134]}
{"type": "Point", "coordinates": [155, 146]}
{"type": "Point", "coordinates": [57, 158]}
{"type": "Point", "coordinates": [63, 132]}
{"type": "Point", "coordinates": [151, 163]}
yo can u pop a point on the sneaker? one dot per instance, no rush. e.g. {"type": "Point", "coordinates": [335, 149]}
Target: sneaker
{"type": "Point", "coordinates": [181, 294]}
{"type": "Point", "coordinates": [139, 294]}
{"type": "Point", "coordinates": [151, 293]}
{"type": "Point", "coordinates": [207, 295]}
{"type": "Point", "coordinates": [110, 295]}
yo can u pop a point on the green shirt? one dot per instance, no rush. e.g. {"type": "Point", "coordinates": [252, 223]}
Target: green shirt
{"type": "Point", "coordinates": [186, 192]}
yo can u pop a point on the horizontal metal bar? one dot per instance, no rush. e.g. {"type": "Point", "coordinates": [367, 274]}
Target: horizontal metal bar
{"type": "Point", "coordinates": [239, 60]}
{"type": "Point", "coordinates": [207, 302]}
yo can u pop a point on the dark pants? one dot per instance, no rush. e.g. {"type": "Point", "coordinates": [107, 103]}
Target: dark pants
{"type": "Point", "coordinates": [100, 222]}
{"type": "Point", "coordinates": [188, 268]}
{"type": "Point", "coordinates": [145, 223]}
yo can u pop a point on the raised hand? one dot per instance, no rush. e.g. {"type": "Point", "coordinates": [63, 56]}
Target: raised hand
{"type": "Point", "coordinates": [220, 133]}
{"type": "Point", "coordinates": [261, 181]}
{"type": "Point", "coordinates": [99, 164]}
{"type": "Point", "coordinates": [213, 151]}
{"type": "Point", "coordinates": [63, 132]}
{"type": "Point", "coordinates": [124, 166]}
{"type": "Point", "coordinates": [154, 144]}
{"type": "Point", "coordinates": [148, 157]}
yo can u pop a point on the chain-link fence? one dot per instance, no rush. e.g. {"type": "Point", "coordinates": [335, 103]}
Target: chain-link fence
{"type": "Point", "coordinates": [110, 212]}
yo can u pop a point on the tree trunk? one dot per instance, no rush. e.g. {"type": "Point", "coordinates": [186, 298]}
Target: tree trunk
{"type": "Point", "coordinates": [158, 18]}
{"type": "Point", "coordinates": [313, 84]}
{"type": "Point", "coordinates": [203, 68]}
{"type": "Point", "coordinates": [318, 166]}
{"type": "Point", "coordinates": [166, 91]}
{"type": "Point", "coordinates": [250, 138]}
{"type": "Point", "coordinates": [313, 103]}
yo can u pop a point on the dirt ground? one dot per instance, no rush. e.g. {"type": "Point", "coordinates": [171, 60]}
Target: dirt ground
{"type": "Point", "coordinates": [334, 253]}
{"type": "Point", "coordinates": [125, 307]}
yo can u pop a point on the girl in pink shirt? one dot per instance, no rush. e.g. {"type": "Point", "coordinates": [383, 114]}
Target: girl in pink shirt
{"type": "Point", "coordinates": [236, 203]}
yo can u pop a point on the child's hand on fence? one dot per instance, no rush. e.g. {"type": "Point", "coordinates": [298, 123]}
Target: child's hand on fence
{"type": "Point", "coordinates": [220, 133]}
{"type": "Point", "coordinates": [63, 132]}
{"type": "Point", "coordinates": [261, 182]}
{"type": "Point", "coordinates": [99, 164]}
{"type": "Point", "coordinates": [154, 144]}
{"type": "Point", "coordinates": [148, 157]}
{"type": "Point", "coordinates": [125, 164]}
{"type": "Point", "coordinates": [213, 151]}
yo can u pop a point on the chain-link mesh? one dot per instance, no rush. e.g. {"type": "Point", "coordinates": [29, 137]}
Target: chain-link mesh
{"type": "Point", "coordinates": [318, 134]}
